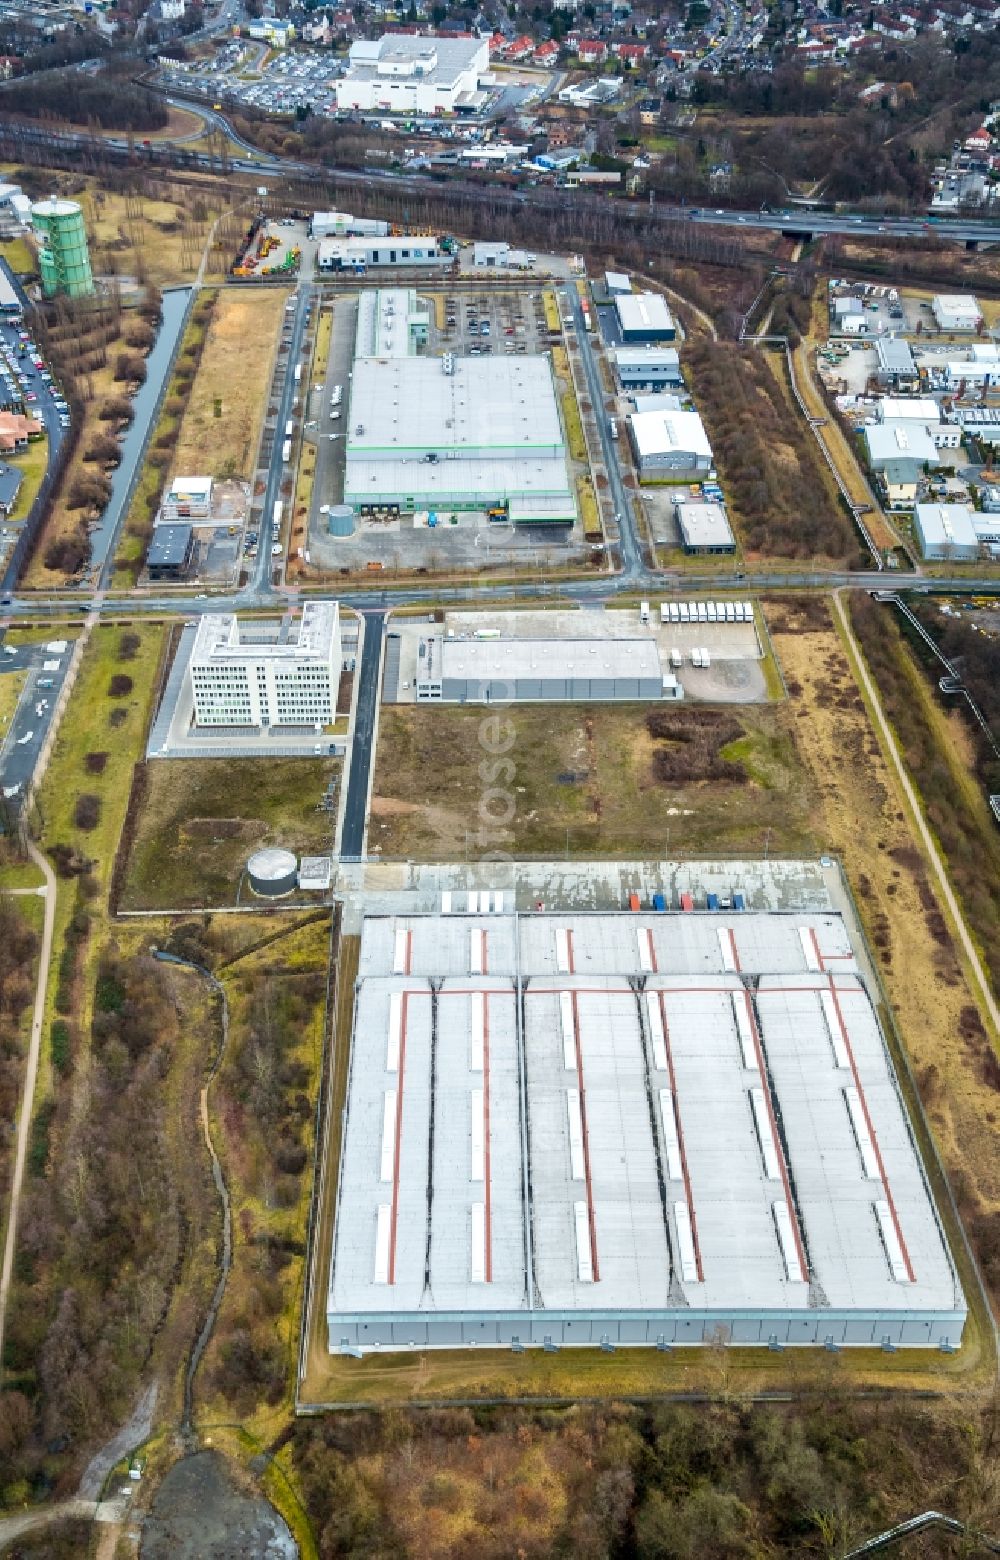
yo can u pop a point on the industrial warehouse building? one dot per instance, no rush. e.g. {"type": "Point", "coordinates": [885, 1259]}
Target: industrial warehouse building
{"type": "Point", "coordinates": [237, 680]}
{"type": "Point", "coordinates": [957, 312]}
{"type": "Point", "coordinates": [358, 254]}
{"type": "Point", "coordinates": [404, 74]}
{"type": "Point", "coordinates": [457, 433]}
{"type": "Point", "coordinates": [669, 442]}
{"type": "Point", "coordinates": [896, 369]}
{"type": "Point", "coordinates": [891, 441]}
{"type": "Point", "coordinates": [644, 317]}
{"type": "Point", "coordinates": [704, 528]}
{"type": "Point", "coordinates": [481, 670]}
{"type": "Point", "coordinates": [953, 532]}
{"type": "Point", "coordinates": [614, 1129]}
{"type": "Point", "coordinates": [392, 322]}
{"type": "Point", "coordinates": [647, 368]}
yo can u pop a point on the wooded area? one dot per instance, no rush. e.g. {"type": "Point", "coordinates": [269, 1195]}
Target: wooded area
{"type": "Point", "coordinates": [777, 488]}
{"type": "Point", "coordinates": [714, 1481]}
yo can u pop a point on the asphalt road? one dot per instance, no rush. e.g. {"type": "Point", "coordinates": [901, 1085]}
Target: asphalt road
{"type": "Point", "coordinates": [352, 838]}
{"type": "Point", "coordinates": [262, 573]}
{"type": "Point", "coordinates": [21, 743]}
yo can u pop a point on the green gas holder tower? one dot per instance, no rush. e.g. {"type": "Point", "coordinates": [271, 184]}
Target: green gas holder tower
{"type": "Point", "coordinates": [64, 259]}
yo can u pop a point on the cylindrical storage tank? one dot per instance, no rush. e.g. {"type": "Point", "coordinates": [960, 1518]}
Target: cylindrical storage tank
{"type": "Point", "coordinates": [272, 872]}
{"type": "Point", "coordinates": [340, 520]}
{"type": "Point", "coordinates": [64, 260]}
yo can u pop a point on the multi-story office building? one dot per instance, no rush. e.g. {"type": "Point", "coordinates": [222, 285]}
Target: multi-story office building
{"type": "Point", "coordinates": [260, 683]}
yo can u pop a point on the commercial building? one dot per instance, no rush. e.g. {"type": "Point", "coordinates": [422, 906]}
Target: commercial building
{"type": "Point", "coordinates": [356, 255]}
{"type": "Point", "coordinates": [457, 433]}
{"type": "Point", "coordinates": [920, 412]}
{"type": "Point", "coordinates": [617, 283]}
{"type": "Point", "coordinates": [341, 224]}
{"type": "Point", "coordinates": [484, 671]}
{"type": "Point", "coordinates": [956, 312]}
{"type": "Point", "coordinates": [403, 74]}
{"type": "Point", "coordinates": [187, 498]}
{"type": "Point", "coordinates": [644, 317]}
{"type": "Point", "coordinates": [240, 681]}
{"type": "Point", "coordinates": [169, 555]}
{"type": "Point", "coordinates": [899, 441]}
{"type": "Point", "coordinates": [647, 368]}
{"type": "Point", "coordinates": [611, 1129]}
{"type": "Point", "coordinates": [486, 255]}
{"type": "Point", "coordinates": [896, 368]}
{"type": "Point", "coordinates": [64, 258]}
{"type": "Point", "coordinates": [669, 442]}
{"type": "Point", "coordinates": [11, 307]}
{"type": "Point", "coordinates": [704, 528]}
{"type": "Point", "coordinates": [392, 322]}
{"type": "Point", "coordinates": [946, 531]}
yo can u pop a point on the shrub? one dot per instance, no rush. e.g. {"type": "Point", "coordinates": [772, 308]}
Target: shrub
{"type": "Point", "coordinates": [87, 812]}
{"type": "Point", "coordinates": [95, 763]}
{"type": "Point", "coordinates": [120, 686]}
{"type": "Point", "coordinates": [60, 1046]}
{"type": "Point", "coordinates": [128, 644]}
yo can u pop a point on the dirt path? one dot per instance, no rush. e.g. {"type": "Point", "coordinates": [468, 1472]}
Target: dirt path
{"type": "Point", "coordinates": [980, 982]}
{"type": "Point", "coordinates": [12, 1528]}
{"type": "Point", "coordinates": [30, 1079]}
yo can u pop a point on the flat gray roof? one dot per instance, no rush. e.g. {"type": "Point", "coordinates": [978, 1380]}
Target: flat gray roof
{"type": "Point", "coordinates": [699, 1111]}
{"type": "Point", "coordinates": [643, 312]}
{"type": "Point", "coordinates": [482, 660]}
{"type": "Point", "coordinates": [412, 404]}
{"type": "Point", "coordinates": [704, 525]}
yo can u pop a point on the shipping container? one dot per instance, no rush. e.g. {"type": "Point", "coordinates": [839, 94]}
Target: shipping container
{"type": "Point", "coordinates": [687, 903]}
{"type": "Point", "coordinates": [659, 903]}
{"type": "Point", "coordinates": [706, 659]}
{"type": "Point", "coordinates": [298, 373]}
{"type": "Point", "coordinates": [644, 612]}
{"type": "Point", "coordinates": [633, 902]}
{"type": "Point", "coordinates": [738, 902]}
{"type": "Point", "coordinates": [713, 901]}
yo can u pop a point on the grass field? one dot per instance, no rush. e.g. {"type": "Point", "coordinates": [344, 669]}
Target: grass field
{"type": "Point", "coordinates": [20, 256]}
{"type": "Point", "coordinates": [160, 234]}
{"type": "Point", "coordinates": [11, 684]}
{"type": "Point", "coordinates": [32, 464]}
{"type": "Point", "coordinates": [220, 430]}
{"type": "Point", "coordinates": [586, 781]}
{"type": "Point", "coordinates": [864, 820]}
{"type": "Point", "coordinates": [201, 818]}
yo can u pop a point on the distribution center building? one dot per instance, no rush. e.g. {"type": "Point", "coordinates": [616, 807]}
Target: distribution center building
{"type": "Point", "coordinates": [457, 433]}
{"type": "Point", "coordinates": [392, 322]}
{"type": "Point", "coordinates": [520, 670]}
{"type": "Point", "coordinates": [261, 683]}
{"type": "Point", "coordinates": [615, 1129]}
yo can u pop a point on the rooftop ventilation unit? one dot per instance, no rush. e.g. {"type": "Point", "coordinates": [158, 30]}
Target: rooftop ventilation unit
{"type": "Point", "coordinates": [448, 363]}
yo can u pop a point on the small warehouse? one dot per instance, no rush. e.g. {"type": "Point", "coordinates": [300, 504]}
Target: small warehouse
{"type": "Point", "coordinates": [644, 317]}
{"type": "Point", "coordinates": [704, 528]}
{"type": "Point", "coordinates": [617, 283]}
{"type": "Point", "coordinates": [669, 442]}
{"type": "Point", "coordinates": [946, 532]}
{"type": "Point", "coordinates": [957, 312]}
{"type": "Point", "coordinates": [460, 671]}
{"type": "Point", "coordinates": [170, 551]}
{"type": "Point", "coordinates": [648, 368]}
{"type": "Point", "coordinates": [899, 441]}
{"type": "Point", "coordinates": [487, 255]}
{"type": "Point", "coordinates": [896, 368]}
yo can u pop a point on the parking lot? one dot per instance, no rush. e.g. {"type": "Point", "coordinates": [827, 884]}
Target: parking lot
{"type": "Point", "coordinates": [43, 668]}
{"type": "Point", "coordinates": [298, 78]}
{"type": "Point", "coordinates": [490, 323]}
{"type": "Point", "coordinates": [27, 388]}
